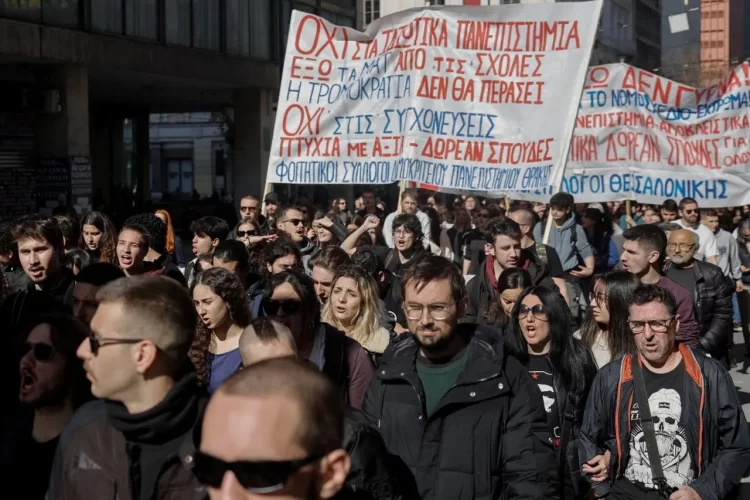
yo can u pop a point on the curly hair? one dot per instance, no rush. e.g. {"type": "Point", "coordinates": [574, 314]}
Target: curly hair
{"type": "Point", "coordinates": [107, 251]}
{"type": "Point", "coordinates": [227, 286]}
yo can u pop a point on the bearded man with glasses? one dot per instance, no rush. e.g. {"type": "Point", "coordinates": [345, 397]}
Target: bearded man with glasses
{"type": "Point", "coordinates": [466, 419]}
{"type": "Point", "coordinates": [699, 428]}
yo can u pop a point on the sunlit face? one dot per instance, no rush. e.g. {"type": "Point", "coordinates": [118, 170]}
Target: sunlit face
{"type": "Point", "coordinates": [534, 329]}
{"type": "Point", "coordinates": [91, 237]}
{"type": "Point", "coordinates": [656, 347]}
{"type": "Point", "coordinates": [212, 309]}
{"type": "Point", "coordinates": [39, 259]}
{"type": "Point", "coordinates": [130, 250]}
{"type": "Point", "coordinates": [345, 300]}
{"type": "Point", "coordinates": [323, 281]}
{"type": "Point", "coordinates": [507, 251]}
{"type": "Point", "coordinates": [323, 234]}
{"type": "Point", "coordinates": [668, 215]}
{"type": "Point", "coordinates": [281, 264]}
{"type": "Point", "coordinates": [403, 239]}
{"type": "Point", "coordinates": [409, 205]}
{"type": "Point", "coordinates": [635, 259]}
{"type": "Point", "coordinates": [470, 203]}
{"type": "Point", "coordinates": [43, 381]}
{"type": "Point", "coordinates": [422, 304]}
{"type": "Point", "coordinates": [559, 214]}
{"type": "Point", "coordinates": [681, 248]}
{"type": "Point", "coordinates": [508, 299]}
{"type": "Point", "coordinates": [293, 225]}
{"type": "Point", "coordinates": [689, 213]}
{"type": "Point", "coordinates": [599, 304]}
{"type": "Point", "coordinates": [711, 222]}
{"type": "Point", "coordinates": [248, 208]}
{"type": "Point", "coordinates": [244, 232]}
{"type": "Point", "coordinates": [202, 244]}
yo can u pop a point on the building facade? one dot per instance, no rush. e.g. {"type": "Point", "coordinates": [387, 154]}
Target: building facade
{"type": "Point", "coordinates": [82, 79]}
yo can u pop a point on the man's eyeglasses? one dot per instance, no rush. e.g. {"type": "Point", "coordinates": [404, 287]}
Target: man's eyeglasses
{"type": "Point", "coordinates": [402, 232]}
{"type": "Point", "coordinates": [251, 232]}
{"type": "Point", "coordinates": [538, 311]}
{"type": "Point", "coordinates": [437, 312]}
{"type": "Point", "coordinates": [684, 247]}
{"type": "Point", "coordinates": [289, 307]}
{"type": "Point", "coordinates": [41, 352]}
{"type": "Point", "coordinates": [296, 222]}
{"type": "Point", "coordinates": [260, 477]}
{"type": "Point", "coordinates": [656, 325]}
{"type": "Point", "coordinates": [96, 342]}
{"type": "Point", "coordinates": [690, 211]}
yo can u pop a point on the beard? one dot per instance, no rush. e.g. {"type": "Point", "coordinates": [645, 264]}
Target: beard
{"type": "Point", "coordinates": [435, 344]}
{"type": "Point", "coordinates": [47, 395]}
{"type": "Point", "coordinates": [680, 260]}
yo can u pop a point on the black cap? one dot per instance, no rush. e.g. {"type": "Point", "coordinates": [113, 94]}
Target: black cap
{"type": "Point", "coordinates": [272, 198]}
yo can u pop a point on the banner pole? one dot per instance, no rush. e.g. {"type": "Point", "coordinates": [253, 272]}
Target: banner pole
{"type": "Point", "coordinates": [401, 188]}
{"type": "Point", "coordinates": [507, 204]}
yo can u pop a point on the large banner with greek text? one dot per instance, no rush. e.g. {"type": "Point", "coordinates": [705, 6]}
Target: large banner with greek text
{"type": "Point", "coordinates": [643, 137]}
{"type": "Point", "coordinates": [467, 98]}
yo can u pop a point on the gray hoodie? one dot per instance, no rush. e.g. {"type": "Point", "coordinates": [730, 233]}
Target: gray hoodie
{"type": "Point", "coordinates": [569, 241]}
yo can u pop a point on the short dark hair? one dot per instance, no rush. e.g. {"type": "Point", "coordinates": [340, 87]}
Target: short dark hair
{"type": "Point", "coordinates": [70, 227]}
{"type": "Point", "coordinates": [646, 294]}
{"type": "Point", "coordinates": [428, 268]}
{"type": "Point", "coordinates": [160, 309]}
{"type": "Point", "coordinates": [562, 200]}
{"type": "Point", "coordinates": [670, 205]}
{"type": "Point", "coordinates": [267, 330]}
{"type": "Point", "coordinates": [709, 212]}
{"type": "Point", "coordinates": [204, 257]}
{"type": "Point", "coordinates": [77, 258]}
{"type": "Point", "coordinates": [280, 247]}
{"type": "Point", "coordinates": [687, 201]}
{"type": "Point", "coordinates": [412, 224]}
{"type": "Point", "coordinates": [213, 227]}
{"type": "Point", "coordinates": [157, 230]}
{"type": "Point", "coordinates": [145, 235]}
{"type": "Point", "coordinates": [232, 251]}
{"type": "Point", "coordinates": [368, 260]}
{"type": "Point", "coordinates": [648, 236]}
{"type": "Point", "coordinates": [99, 274]}
{"type": "Point", "coordinates": [331, 258]}
{"type": "Point", "coordinates": [281, 214]}
{"type": "Point", "coordinates": [322, 410]}
{"type": "Point", "coordinates": [502, 226]}
{"type": "Point", "coordinates": [39, 228]}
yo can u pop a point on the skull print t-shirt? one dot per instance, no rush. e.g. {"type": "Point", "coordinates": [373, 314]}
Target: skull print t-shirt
{"type": "Point", "coordinates": [665, 402]}
{"type": "Point", "coordinates": [540, 369]}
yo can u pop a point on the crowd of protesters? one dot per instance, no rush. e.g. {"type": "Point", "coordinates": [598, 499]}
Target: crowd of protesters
{"type": "Point", "coordinates": [441, 349]}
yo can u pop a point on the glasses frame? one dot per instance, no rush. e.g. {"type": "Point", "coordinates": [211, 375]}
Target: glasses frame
{"type": "Point", "coordinates": [31, 347]}
{"type": "Point", "coordinates": [429, 312]}
{"type": "Point", "coordinates": [669, 321]}
{"type": "Point", "coordinates": [96, 342]}
{"type": "Point", "coordinates": [295, 222]}
{"type": "Point", "coordinates": [530, 310]}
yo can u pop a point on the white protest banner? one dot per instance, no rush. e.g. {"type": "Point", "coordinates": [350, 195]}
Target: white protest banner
{"type": "Point", "coordinates": [471, 98]}
{"type": "Point", "coordinates": [643, 137]}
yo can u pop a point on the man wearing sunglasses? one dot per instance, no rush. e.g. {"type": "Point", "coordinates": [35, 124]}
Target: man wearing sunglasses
{"type": "Point", "coordinates": [52, 386]}
{"type": "Point", "coordinates": [292, 220]}
{"type": "Point", "coordinates": [699, 432]}
{"type": "Point", "coordinates": [467, 420]}
{"type": "Point", "coordinates": [275, 429]}
{"type": "Point", "coordinates": [137, 361]}
{"type": "Point", "coordinates": [708, 250]}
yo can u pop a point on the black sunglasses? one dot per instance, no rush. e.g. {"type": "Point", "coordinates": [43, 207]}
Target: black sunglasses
{"type": "Point", "coordinates": [256, 477]}
{"type": "Point", "coordinates": [296, 222]}
{"type": "Point", "coordinates": [271, 307]}
{"type": "Point", "coordinates": [96, 342]}
{"type": "Point", "coordinates": [242, 234]}
{"type": "Point", "coordinates": [41, 352]}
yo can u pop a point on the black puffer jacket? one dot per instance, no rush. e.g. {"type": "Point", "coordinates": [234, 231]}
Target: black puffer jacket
{"type": "Point", "coordinates": [486, 439]}
{"type": "Point", "coordinates": [375, 474]}
{"type": "Point", "coordinates": [712, 306]}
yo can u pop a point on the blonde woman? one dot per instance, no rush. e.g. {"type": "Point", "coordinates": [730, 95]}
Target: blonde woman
{"type": "Point", "coordinates": [355, 308]}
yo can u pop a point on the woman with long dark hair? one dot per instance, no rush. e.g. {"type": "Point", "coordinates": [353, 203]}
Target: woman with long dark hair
{"type": "Point", "coordinates": [221, 303]}
{"type": "Point", "coordinates": [605, 329]}
{"type": "Point", "coordinates": [563, 367]}
{"type": "Point", "coordinates": [99, 238]}
{"type": "Point", "coordinates": [510, 285]}
{"type": "Point", "coordinates": [290, 299]}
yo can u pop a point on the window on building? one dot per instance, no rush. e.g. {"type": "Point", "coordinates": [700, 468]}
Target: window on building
{"type": "Point", "coordinates": [180, 176]}
{"type": "Point", "coordinates": [206, 24]}
{"type": "Point", "coordinates": [237, 22]}
{"type": "Point", "coordinates": [106, 16]}
{"type": "Point", "coordinates": [435, 2]}
{"type": "Point", "coordinates": [177, 22]}
{"type": "Point", "coordinates": [142, 18]}
{"type": "Point", "coordinates": [372, 10]}
{"type": "Point", "coordinates": [61, 12]}
{"type": "Point", "coordinates": [508, 2]}
{"type": "Point", "coordinates": [261, 29]}
{"type": "Point", "coordinates": [27, 11]}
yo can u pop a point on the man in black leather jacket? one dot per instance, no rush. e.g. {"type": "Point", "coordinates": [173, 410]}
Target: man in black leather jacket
{"type": "Point", "coordinates": [712, 298]}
